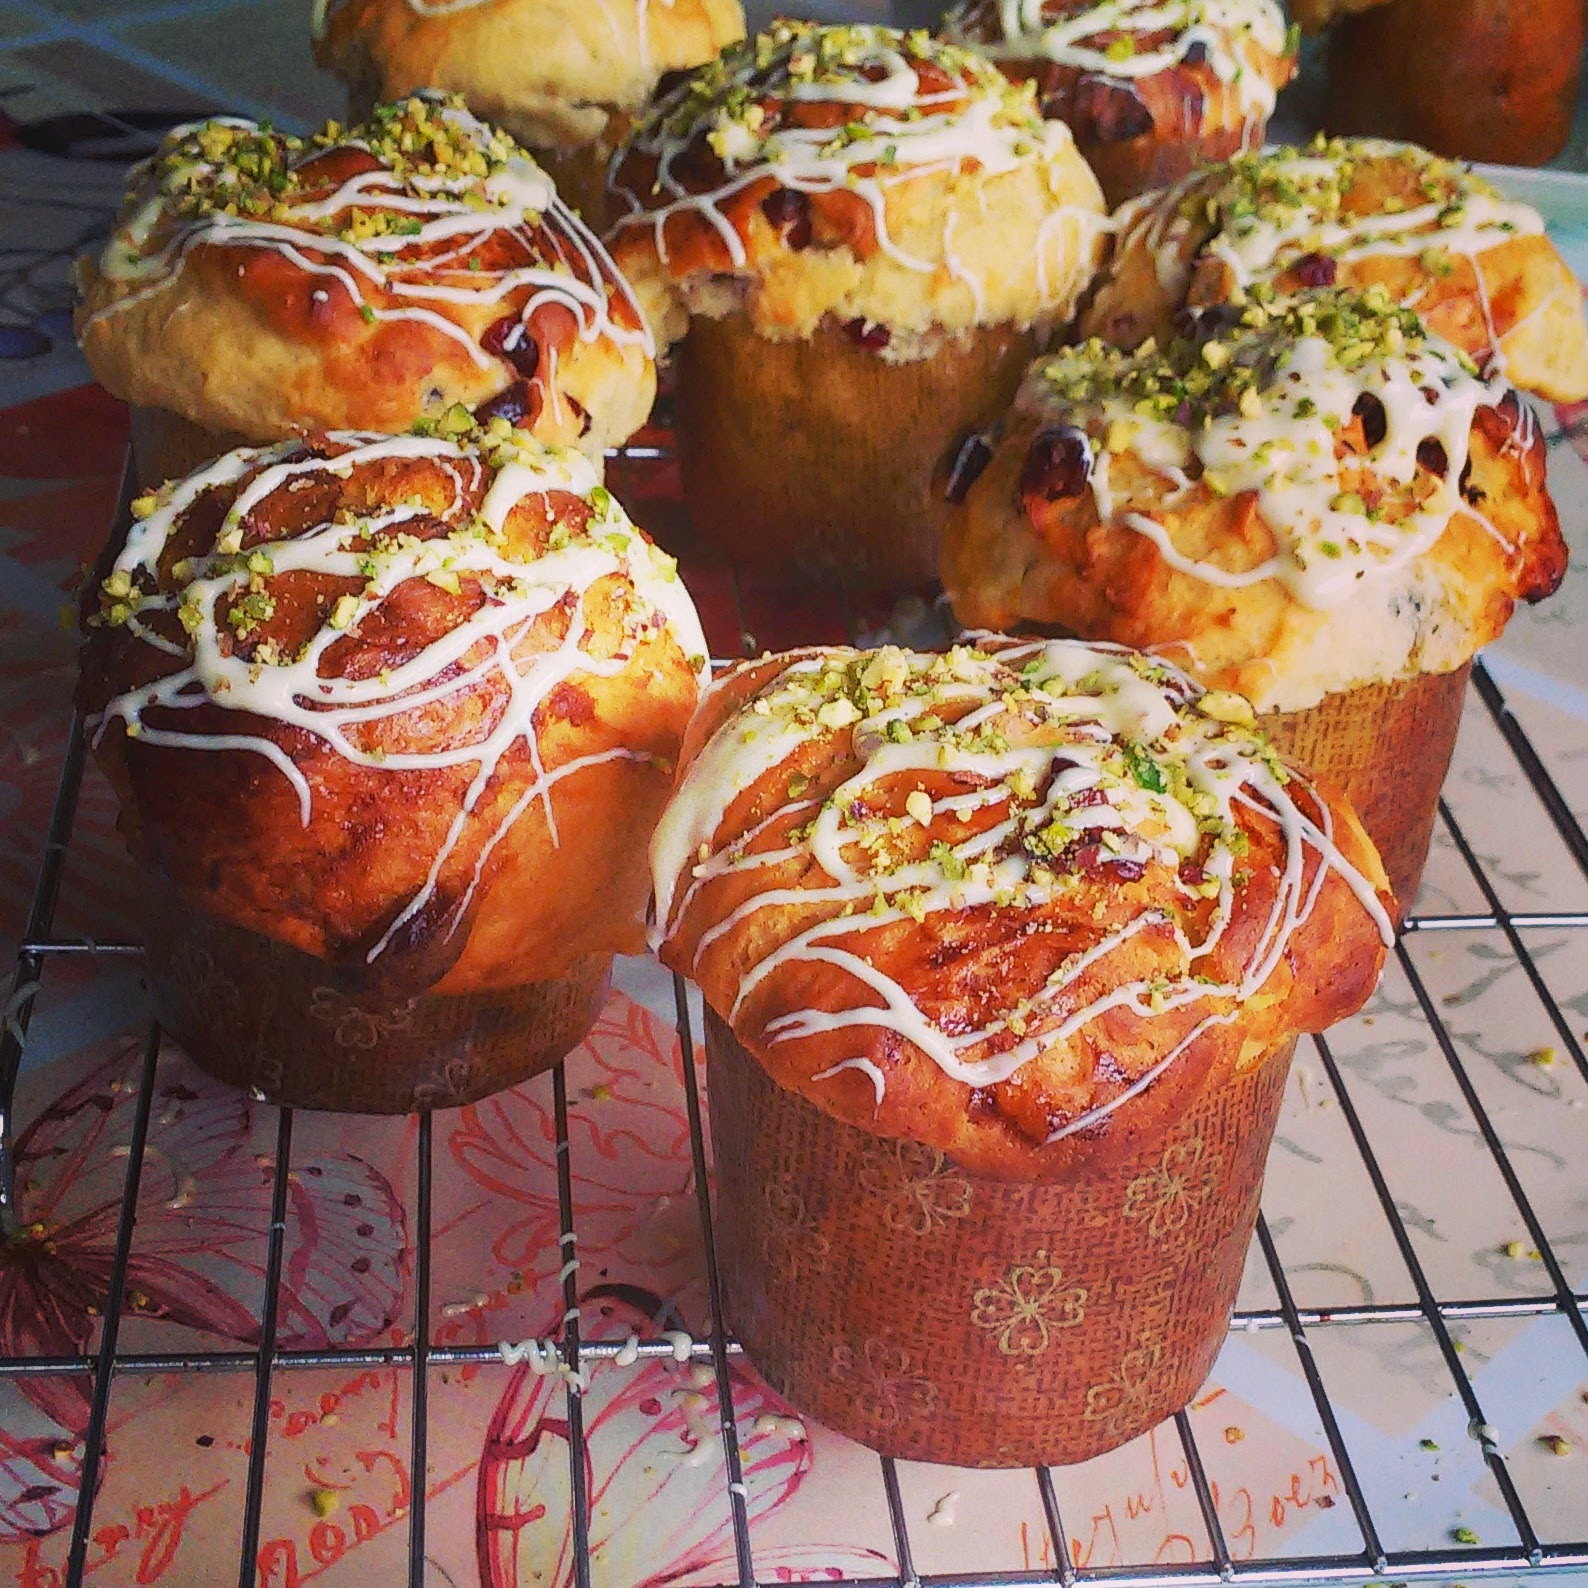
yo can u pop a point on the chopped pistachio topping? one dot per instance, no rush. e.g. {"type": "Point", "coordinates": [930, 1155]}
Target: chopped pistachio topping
{"type": "Point", "coordinates": [1271, 187]}
{"type": "Point", "coordinates": [1181, 383]}
{"type": "Point", "coordinates": [740, 101]}
{"type": "Point", "coordinates": [249, 171]}
{"type": "Point", "coordinates": [1034, 773]}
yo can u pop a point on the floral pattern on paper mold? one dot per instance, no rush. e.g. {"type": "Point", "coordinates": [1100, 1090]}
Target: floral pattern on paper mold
{"type": "Point", "coordinates": [918, 1186]}
{"type": "Point", "coordinates": [790, 1229]}
{"type": "Point", "coordinates": [895, 1385]}
{"type": "Point", "coordinates": [1025, 1309]}
{"type": "Point", "coordinates": [1166, 1195]}
{"type": "Point", "coordinates": [214, 997]}
{"type": "Point", "coordinates": [1118, 1402]}
{"type": "Point", "coordinates": [354, 1026]}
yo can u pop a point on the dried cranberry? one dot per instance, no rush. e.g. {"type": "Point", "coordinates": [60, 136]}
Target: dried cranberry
{"type": "Point", "coordinates": [969, 462]}
{"type": "Point", "coordinates": [1315, 270]}
{"type": "Point", "coordinates": [1058, 466]}
{"type": "Point", "coordinates": [1431, 455]}
{"type": "Point", "coordinates": [1191, 874]}
{"type": "Point", "coordinates": [789, 211]}
{"type": "Point", "coordinates": [509, 339]}
{"type": "Point", "coordinates": [868, 334]}
{"type": "Point", "coordinates": [1088, 858]}
{"type": "Point", "coordinates": [511, 404]}
{"type": "Point", "coordinates": [1375, 422]}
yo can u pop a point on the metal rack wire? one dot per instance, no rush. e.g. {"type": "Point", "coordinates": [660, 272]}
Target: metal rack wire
{"type": "Point", "coordinates": [1304, 1326]}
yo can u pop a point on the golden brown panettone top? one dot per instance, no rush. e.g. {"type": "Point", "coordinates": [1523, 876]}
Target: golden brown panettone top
{"type": "Point", "coordinates": [1298, 499]}
{"type": "Point", "coordinates": [407, 704]}
{"type": "Point", "coordinates": [1353, 212]}
{"type": "Point", "coordinates": [557, 73]}
{"type": "Point", "coordinates": [1113, 70]}
{"type": "Point", "coordinates": [875, 177]}
{"type": "Point", "coordinates": [1010, 900]}
{"type": "Point", "coordinates": [361, 279]}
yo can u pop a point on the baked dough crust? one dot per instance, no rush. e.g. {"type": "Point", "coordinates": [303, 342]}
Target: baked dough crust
{"type": "Point", "coordinates": [553, 72]}
{"type": "Point", "coordinates": [370, 841]}
{"type": "Point", "coordinates": [1018, 552]}
{"type": "Point", "coordinates": [960, 968]}
{"type": "Point", "coordinates": [278, 321]}
{"type": "Point", "coordinates": [1367, 212]}
{"type": "Point", "coordinates": [1203, 88]}
{"type": "Point", "coordinates": [1003, 224]}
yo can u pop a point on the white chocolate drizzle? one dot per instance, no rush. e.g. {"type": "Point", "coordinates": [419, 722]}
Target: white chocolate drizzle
{"type": "Point", "coordinates": [397, 241]}
{"type": "Point", "coordinates": [1269, 210]}
{"type": "Point", "coordinates": [1064, 757]}
{"type": "Point", "coordinates": [1301, 370]}
{"type": "Point", "coordinates": [898, 128]}
{"type": "Point", "coordinates": [290, 691]}
{"type": "Point", "coordinates": [1119, 39]}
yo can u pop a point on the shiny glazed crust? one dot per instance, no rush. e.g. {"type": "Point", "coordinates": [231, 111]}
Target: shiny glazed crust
{"type": "Point", "coordinates": [1001, 226]}
{"type": "Point", "coordinates": [1012, 560]}
{"type": "Point", "coordinates": [411, 847]}
{"type": "Point", "coordinates": [554, 71]}
{"type": "Point", "coordinates": [1137, 131]}
{"type": "Point", "coordinates": [1480, 288]}
{"type": "Point", "coordinates": [250, 324]}
{"type": "Point", "coordinates": [1072, 525]}
{"type": "Point", "coordinates": [960, 967]}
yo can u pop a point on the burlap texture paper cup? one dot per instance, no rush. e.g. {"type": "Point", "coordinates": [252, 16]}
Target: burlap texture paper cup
{"type": "Point", "coordinates": [166, 446]}
{"type": "Point", "coordinates": [291, 1029]}
{"type": "Point", "coordinates": [1133, 166]}
{"type": "Point", "coordinates": [1387, 747]}
{"type": "Point", "coordinates": [935, 1315]}
{"type": "Point", "coordinates": [818, 455]}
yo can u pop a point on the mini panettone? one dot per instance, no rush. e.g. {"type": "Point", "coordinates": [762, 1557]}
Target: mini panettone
{"type": "Point", "coordinates": [259, 285]}
{"type": "Point", "coordinates": [1033, 911]}
{"type": "Point", "coordinates": [565, 77]}
{"type": "Point", "coordinates": [1488, 80]}
{"type": "Point", "coordinates": [863, 233]}
{"type": "Point", "coordinates": [1149, 89]}
{"type": "Point", "coordinates": [390, 720]}
{"type": "Point", "coordinates": [1306, 498]}
{"type": "Point", "coordinates": [1353, 212]}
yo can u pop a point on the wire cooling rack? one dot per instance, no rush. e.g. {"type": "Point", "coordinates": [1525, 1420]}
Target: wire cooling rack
{"type": "Point", "coordinates": [1309, 1329]}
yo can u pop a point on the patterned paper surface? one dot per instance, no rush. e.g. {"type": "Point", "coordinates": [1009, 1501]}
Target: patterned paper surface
{"type": "Point", "coordinates": [169, 1505]}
